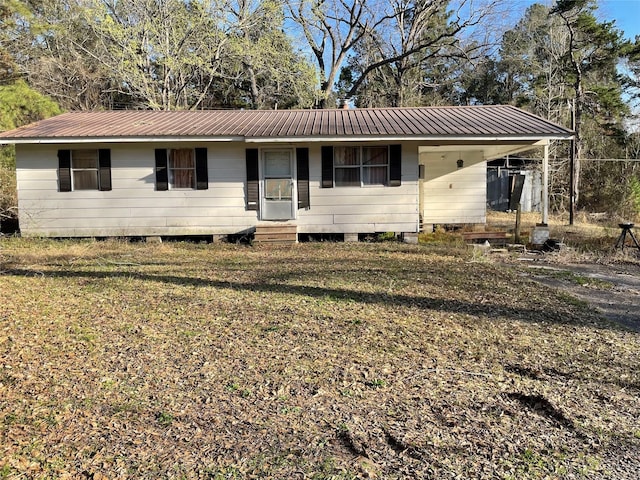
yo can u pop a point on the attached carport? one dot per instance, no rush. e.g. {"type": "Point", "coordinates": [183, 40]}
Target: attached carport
{"type": "Point", "coordinates": [453, 170]}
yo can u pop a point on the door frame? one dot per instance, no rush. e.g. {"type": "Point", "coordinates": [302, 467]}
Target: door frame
{"type": "Point", "coordinates": [294, 184]}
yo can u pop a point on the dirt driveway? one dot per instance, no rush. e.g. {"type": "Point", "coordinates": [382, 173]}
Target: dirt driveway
{"type": "Point", "coordinates": [612, 288]}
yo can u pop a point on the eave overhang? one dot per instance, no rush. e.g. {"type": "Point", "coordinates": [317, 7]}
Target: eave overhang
{"type": "Point", "coordinates": [429, 140]}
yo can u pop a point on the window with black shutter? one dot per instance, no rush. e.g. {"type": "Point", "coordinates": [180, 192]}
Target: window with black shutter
{"type": "Point", "coordinates": [162, 175]}
{"type": "Point", "coordinates": [253, 179]}
{"type": "Point", "coordinates": [181, 169]}
{"type": "Point", "coordinates": [84, 169]}
{"type": "Point", "coordinates": [361, 166]}
{"type": "Point", "coordinates": [327, 167]}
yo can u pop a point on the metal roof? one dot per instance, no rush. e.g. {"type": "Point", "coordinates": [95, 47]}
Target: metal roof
{"type": "Point", "coordinates": [493, 122]}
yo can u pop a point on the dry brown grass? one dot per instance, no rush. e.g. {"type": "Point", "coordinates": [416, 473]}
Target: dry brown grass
{"type": "Point", "coordinates": [320, 361]}
{"type": "Point", "coordinates": [588, 240]}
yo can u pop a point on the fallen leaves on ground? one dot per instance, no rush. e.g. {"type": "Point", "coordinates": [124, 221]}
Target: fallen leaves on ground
{"type": "Point", "coordinates": [323, 360]}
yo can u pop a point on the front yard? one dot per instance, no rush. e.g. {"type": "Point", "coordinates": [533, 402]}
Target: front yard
{"type": "Point", "coordinates": [325, 360]}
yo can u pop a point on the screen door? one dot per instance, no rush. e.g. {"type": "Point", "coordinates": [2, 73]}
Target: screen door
{"type": "Point", "coordinates": [277, 177]}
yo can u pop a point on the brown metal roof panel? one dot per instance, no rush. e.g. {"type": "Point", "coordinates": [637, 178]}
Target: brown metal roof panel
{"type": "Point", "coordinates": [379, 125]}
{"type": "Point", "coordinates": [304, 124]}
{"type": "Point", "coordinates": [369, 122]}
{"type": "Point", "coordinates": [332, 123]}
{"type": "Point", "coordinates": [354, 122]}
{"type": "Point", "coordinates": [405, 119]}
{"type": "Point", "coordinates": [390, 122]}
{"type": "Point", "coordinates": [508, 119]}
{"type": "Point", "coordinates": [439, 121]}
{"type": "Point", "coordinates": [466, 122]}
{"type": "Point", "coordinates": [425, 120]}
{"type": "Point", "coordinates": [343, 126]}
{"type": "Point", "coordinates": [499, 121]}
{"type": "Point", "coordinates": [349, 119]}
{"type": "Point", "coordinates": [288, 124]}
{"type": "Point", "coordinates": [411, 121]}
{"type": "Point", "coordinates": [250, 123]}
{"type": "Point", "coordinates": [321, 123]}
{"type": "Point", "coordinates": [361, 123]}
{"type": "Point", "coordinates": [228, 123]}
{"type": "Point", "coordinates": [552, 126]}
{"type": "Point", "coordinates": [442, 124]}
{"type": "Point", "coordinates": [514, 122]}
{"type": "Point", "coordinates": [266, 122]}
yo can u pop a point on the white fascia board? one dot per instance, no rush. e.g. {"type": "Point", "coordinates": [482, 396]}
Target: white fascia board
{"type": "Point", "coordinates": [83, 140]}
{"type": "Point", "coordinates": [512, 150]}
{"type": "Point", "coordinates": [418, 138]}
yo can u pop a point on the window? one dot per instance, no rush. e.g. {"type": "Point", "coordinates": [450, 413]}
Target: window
{"type": "Point", "coordinates": [84, 169]}
{"type": "Point", "coordinates": [358, 166]}
{"type": "Point", "coordinates": [182, 168]}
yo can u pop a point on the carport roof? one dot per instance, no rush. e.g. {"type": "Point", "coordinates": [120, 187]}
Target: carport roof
{"type": "Point", "coordinates": [488, 123]}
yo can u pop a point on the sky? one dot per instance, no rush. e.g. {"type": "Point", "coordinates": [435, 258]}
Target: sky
{"type": "Point", "coordinates": [626, 13]}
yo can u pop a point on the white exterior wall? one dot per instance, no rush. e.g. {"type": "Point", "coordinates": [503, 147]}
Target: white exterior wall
{"type": "Point", "coordinates": [134, 208]}
{"type": "Point", "coordinates": [451, 195]}
{"type": "Point", "coordinates": [362, 209]}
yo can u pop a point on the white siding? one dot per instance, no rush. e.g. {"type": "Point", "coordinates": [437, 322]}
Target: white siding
{"type": "Point", "coordinates": [366, 209]}
{"type": "Point", "coordinates": [450, 194]}
{"type": "Point", "coordinates": [134, 207]}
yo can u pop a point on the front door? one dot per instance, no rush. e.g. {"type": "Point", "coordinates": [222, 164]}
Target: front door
{"type": "Point", "coordinates": [277, 177]}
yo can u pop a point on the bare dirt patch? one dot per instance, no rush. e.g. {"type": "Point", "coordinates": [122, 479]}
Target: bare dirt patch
{"type": "Point", "coordinates": [588, 267]}
{"type": "Point", "coordinates": [614, 290]}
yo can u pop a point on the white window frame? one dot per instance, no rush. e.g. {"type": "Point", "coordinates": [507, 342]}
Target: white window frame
{"type": "Point", "coordinates": [75, 169]}
{"type": "Point", "coordinates": [361, 166]}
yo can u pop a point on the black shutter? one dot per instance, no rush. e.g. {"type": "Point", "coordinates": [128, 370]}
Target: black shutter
{"type": "Point", "coordinates": [302, 156]}
{"type": "Point", "coordinates": [202, 171]}
{"type": "Point", "coordinates": [64, 170]}
{"type": "Point", "coordinates": [162, 175]}
{"type": "Point", "coordinates": [104, 172]}
{"type": "Point", "coordinates": [395, 165]}
{"type": "Point", "coordinates": [253, 186]}
{"type": "Point", "coordinates": [327, 167]}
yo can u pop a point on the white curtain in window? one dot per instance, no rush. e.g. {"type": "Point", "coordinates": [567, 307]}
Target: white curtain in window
{"type": "Point", "coordinates": [343, 156]}
{"type": "Point", "coordinates": [347, 166]}
{"type": "Point", "coordinates": [374, 175]}
{"type": "Point", "coordinates": [375, 165]}
{"type": "Point", "coordinates": [85, 169]}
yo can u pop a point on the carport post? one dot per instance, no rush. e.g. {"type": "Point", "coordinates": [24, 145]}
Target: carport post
{"type": "Point", "coordinates": [545, 185]}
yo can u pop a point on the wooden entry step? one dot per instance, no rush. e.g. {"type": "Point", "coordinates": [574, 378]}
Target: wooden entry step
{"type": "Point", "coordinates": [276, 233]}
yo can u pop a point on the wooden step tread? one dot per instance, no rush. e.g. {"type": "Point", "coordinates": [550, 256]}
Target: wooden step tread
{"type": "Point", "coordinates": [276, 233]}
{"type": "Point", "coordinates": [283, 228]}
{"type": "Point", "coordinates": [276, 236]}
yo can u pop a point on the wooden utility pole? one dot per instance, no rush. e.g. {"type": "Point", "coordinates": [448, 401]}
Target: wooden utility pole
{"type": "Point", "coordinates": [572, 165]}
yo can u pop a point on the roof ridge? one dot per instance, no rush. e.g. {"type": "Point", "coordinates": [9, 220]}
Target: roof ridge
{"type": "Point", "coordinates": [262, 111]}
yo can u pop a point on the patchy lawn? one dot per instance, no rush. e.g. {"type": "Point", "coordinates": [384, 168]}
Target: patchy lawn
{"type": "Point", "coordinates": [319, 361]}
